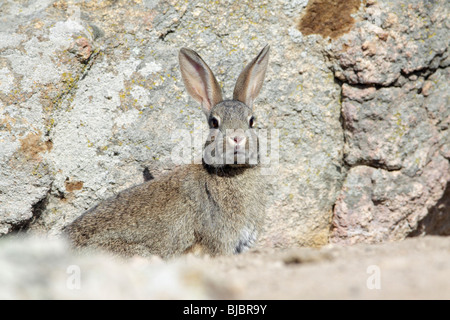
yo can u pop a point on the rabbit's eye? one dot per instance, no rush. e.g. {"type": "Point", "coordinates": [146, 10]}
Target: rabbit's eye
{"type": "Point", "coordinates": [214, 123]}
{"type": "Point", "coordinates": [251, 122]}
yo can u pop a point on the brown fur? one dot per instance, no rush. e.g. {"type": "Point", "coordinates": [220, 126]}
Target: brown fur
{"type": "Point", "coordinates": [202, 209]}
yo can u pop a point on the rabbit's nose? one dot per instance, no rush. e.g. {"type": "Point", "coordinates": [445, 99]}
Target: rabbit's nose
{"type": "Point", "coordinates": [237, 141]}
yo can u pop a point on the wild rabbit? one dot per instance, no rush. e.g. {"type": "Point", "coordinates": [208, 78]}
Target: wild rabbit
{"type": "Point", "coordinates": [214, 208]}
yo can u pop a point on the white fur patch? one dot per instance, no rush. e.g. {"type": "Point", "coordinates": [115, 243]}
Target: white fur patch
{"type": "Point", "coordinates": [247, 240]}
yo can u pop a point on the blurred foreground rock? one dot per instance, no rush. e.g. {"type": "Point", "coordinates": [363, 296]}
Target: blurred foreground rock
{"type": "Point", "coordinates": [36, 268]}
{"type": "Point", "coordinates": [416, 268]}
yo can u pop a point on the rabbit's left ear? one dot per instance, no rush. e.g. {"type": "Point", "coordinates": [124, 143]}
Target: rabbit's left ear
{"type": "Point", "coordinates": [251, 78]}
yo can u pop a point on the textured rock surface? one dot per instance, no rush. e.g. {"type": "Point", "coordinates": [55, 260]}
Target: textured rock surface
{"type": "Point", "coordinates": [90, 93]}
{"type": "Point", "coordinates": [411, 269]}
{"type": "Point", "coordinates": [396, 115]}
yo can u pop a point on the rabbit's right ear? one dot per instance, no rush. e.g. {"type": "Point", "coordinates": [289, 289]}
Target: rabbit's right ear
{"type": "Point", "coordinates": [251, 79]}
{"type": "Point", "coordinates": [199, 80]}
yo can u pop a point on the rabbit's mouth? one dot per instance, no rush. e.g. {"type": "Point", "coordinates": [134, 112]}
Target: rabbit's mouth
{"type": "Point", "coordinates": [238, 151]}
{"type": "Point", "coordinates": [240, 156]}
{"type": "Point", "coordinates": [229, 155]}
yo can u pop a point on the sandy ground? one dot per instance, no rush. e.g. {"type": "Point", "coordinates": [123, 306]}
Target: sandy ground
{"type": "Point", "coordinates": [412, 269]}
{"type": "Point", "coordinates": [416, 268]}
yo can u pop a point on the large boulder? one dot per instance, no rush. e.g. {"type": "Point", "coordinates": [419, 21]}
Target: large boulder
{"type": "Point", "coordinates": [101, 94]}
{"type": "Point", "coordinates": [393, 66]}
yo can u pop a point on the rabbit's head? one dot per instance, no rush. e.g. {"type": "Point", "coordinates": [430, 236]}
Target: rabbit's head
{"type": "Point", "coordinates": [232, 140]}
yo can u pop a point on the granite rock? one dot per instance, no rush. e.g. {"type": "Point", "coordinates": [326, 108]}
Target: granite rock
{"type": "Point", "coordinates": [395, 113]}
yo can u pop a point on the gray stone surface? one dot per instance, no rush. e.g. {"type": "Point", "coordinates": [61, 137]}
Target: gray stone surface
{"type": "Point", "coordinates": [90, 93]}
{"type": "Point", "coordinates": [108, 94]}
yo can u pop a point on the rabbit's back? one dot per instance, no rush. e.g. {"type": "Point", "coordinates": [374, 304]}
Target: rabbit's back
{"type": "Point", "coordinates": [150, 218]}
{"type": "Point", "coordinates": [188, 208]}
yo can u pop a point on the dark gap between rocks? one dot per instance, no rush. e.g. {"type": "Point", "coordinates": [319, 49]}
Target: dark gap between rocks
{"type": "Point", "coordinates": [437, 221]}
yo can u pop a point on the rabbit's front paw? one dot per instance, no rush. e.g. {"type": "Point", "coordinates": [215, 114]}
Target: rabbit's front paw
{"type": "Point", "coordinates": [247, 240]}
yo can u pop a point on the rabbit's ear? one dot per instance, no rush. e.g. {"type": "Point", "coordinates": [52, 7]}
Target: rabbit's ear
{"type": "Point", "coordinates": [251, 78]}
{"type": "Point", "coordinates": [199, 80]}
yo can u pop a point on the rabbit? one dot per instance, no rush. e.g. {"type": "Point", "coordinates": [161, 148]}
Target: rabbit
{"type": "Point", "coordinates": [211, 208]}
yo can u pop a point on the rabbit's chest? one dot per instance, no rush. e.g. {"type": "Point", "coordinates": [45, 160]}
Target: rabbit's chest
{"type": "Point", "coordinates": [231, 198]}
{"type": "Point", "coordinates": [232, 213]}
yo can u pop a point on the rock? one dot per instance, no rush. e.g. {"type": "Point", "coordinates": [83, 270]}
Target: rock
{"type": "Point", "coordinates": [395, 116]}
{"type": "Point", "coordinates": [378, 205]}
{"type": "Point", "coordinates": [36, 268]}
{"type": "Point", "coordinates": [41, 74]}
{"type": "Point", "coordinates": [82, 49]}
{"type": "Point", "coordinates": [391, 40]}
{"type": "Point", "coordinates": [415, 268]}
{"type": "Point", "coordinates": [388, 128]}
{"type": "Point", "coordinates": [113, 95]}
